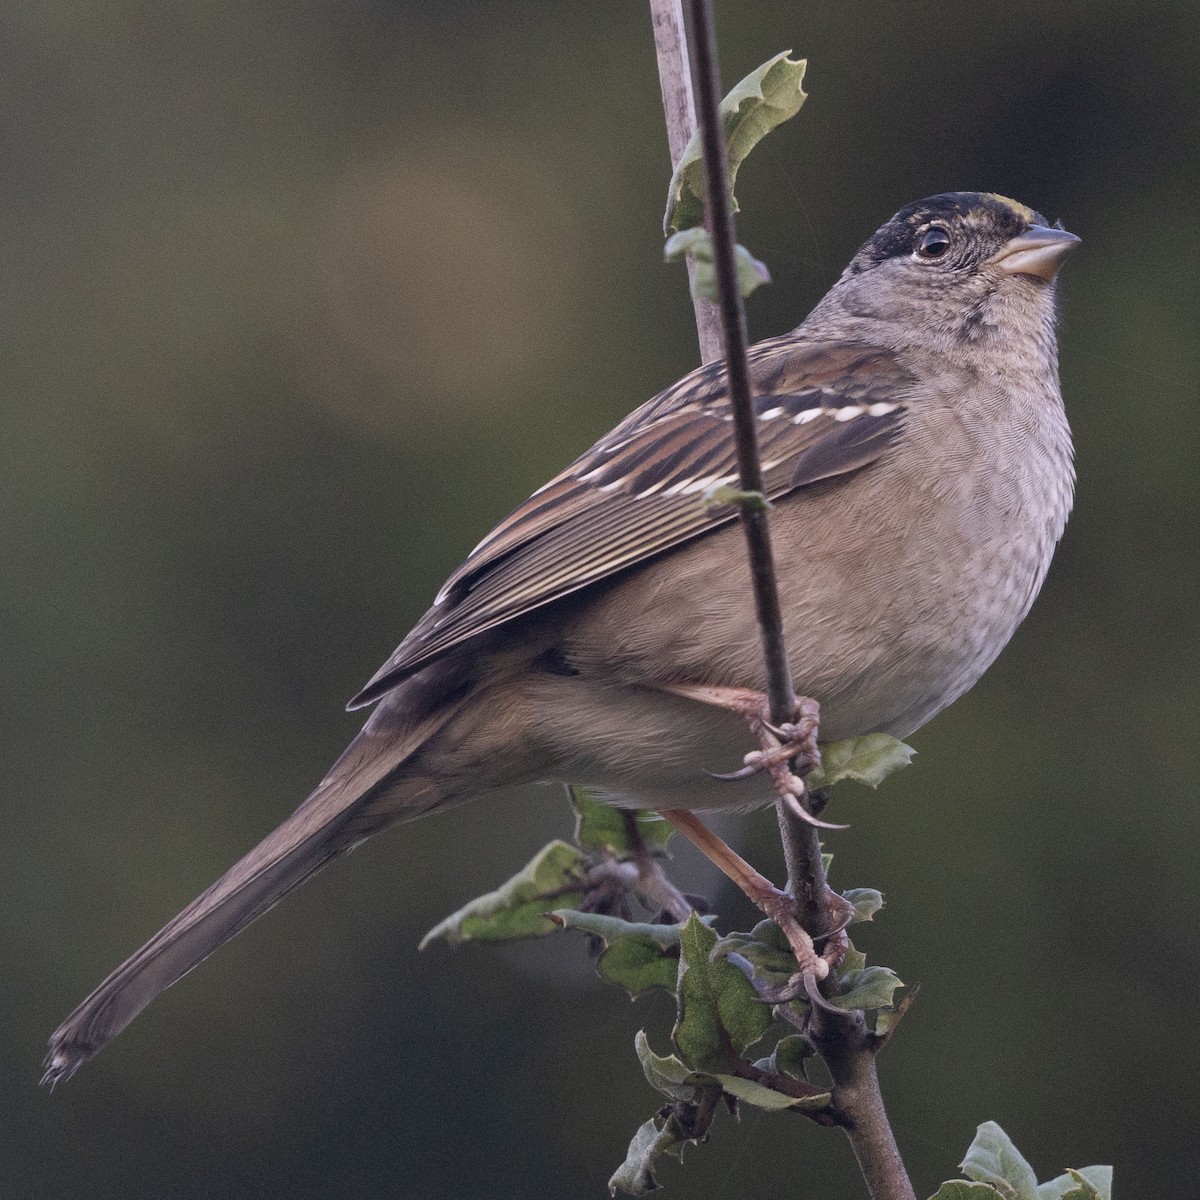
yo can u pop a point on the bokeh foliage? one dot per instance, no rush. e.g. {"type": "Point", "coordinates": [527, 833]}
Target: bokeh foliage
{"type": "Point", "coordinates": [298, 300]}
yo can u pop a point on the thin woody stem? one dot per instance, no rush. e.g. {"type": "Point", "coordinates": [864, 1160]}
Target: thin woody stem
{"type": "Point", "coordinates": [801, 846]}
{"type": "Point", "coordinates": [675, 81]}
{"type": "Point", "coordinates": [651, 883]}
{"type": "Point", "coordinates": [719, 220]}
{"type": "Point", "coordinates": [843, 1041]}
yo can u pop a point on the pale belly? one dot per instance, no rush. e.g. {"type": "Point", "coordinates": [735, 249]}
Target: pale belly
{"type": "Point", "coordinates": [881, 649]}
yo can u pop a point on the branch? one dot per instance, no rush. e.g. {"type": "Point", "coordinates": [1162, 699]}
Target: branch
{"type": "Point", "coordinates": [848, 1049]}
{"type": "Point", "coordinates": [719, 220]}
{"type": "Point", "coordinates": [675, 80]}
{"type": "Point", "coordinates": [801, 846]}
{"type": "Point", "coordinates": [843, 1040]}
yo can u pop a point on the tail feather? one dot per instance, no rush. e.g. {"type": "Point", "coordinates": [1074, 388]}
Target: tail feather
{"type": "Point", "coordinates": [345, 808]}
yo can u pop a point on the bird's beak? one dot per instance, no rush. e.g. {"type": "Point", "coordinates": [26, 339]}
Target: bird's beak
{"type": "Point", "coordinates": [1038, 251]}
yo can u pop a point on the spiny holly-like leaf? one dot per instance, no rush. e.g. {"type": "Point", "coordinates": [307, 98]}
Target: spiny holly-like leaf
{"type": "Point", "coordinates": [695, 241]}
{"type": "Point", "coordinates": [789, 1057]}
{"type": "Point", "coordinates": [958, 1189]}
{"type": "Point", "coordinates": [637, 955]}
{"type": "Point", "coordinates": [992, 1158]}
{"type": "Point", "coordinates": [1088, 1183]}
{"type": "Point", "coordinates": [750, 1092]}
{"type": "Point", "coordinates": [852, 960]}
{"type": "Point", "coordinates": [764, 99]}
{"type": "Point", "coordinates": [635, 1176]}
{"type": "Point", "coordinates": [666, 1074]}
{"type": "Point", "coordinates": [670, 1076]}
{"type": "Point", "coordinates": [867, 902]}
{"type": "Point", "coordinates": [638, 965]}
{"type": "Point", "coordinates": [867, 989]}
{"type": "Point", "coordinates": [719, 1011]}
{"type": "Point", "coordinates": [600, 826]}
{"type": "Point", "coordinates": [869, 759]}
{"type": "Point", "coordinates": [767, 951]}
{"type": "Point", "coordinates": [517, 909]}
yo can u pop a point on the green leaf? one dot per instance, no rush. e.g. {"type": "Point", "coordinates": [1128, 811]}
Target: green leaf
{"type": "Point", "coordinates": [719, 1011]}
{"type": "Point", "coordinates": [638, 965]}
{"type": "Point", "coordinates": [764, 99]}
{"type": "Point", "coordinates": [601, 827]}
{"type": "Point", "coordinates": [666, 1074]}
{"type": "Point", "coordinates": [767, 951]}
{"type": "Point", "coordinates": [992, 1158]}
{"type": "Point", "coordinates": [718, 494]}
{"type": "Point", "coordinates": [750, 272]}
{"type": "Point", "coordinates": [867, 902]}
{"type": "Point", "coordinates": [1088, 1183]}
{"type": "Point", "coordinates": [867, 989]}
{"type": "Point", "coordinates": [635, 1176]}
{"type": "Point", "coordinates": [869, 759]}
{"type": "Point", "coordinates": [764, 1097]}
{"type": "Point", "coordinates": [789, 1057]}
{"type": "Point", "coordinates": [957, 1189]}
{"type": "Point", "coordinates": [517, 909]}
{"type": "Point", "coordinates": [853, 960]}
{"type": "Point", "coordinates": [611, 929]}
{"type": "Point", "coordinates": [638, 955]}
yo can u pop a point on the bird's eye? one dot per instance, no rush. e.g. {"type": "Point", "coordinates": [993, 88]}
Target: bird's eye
{"type": "Point", "coordinates": [933, 244]}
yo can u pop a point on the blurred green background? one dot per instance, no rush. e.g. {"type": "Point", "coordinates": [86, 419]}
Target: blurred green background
{"type": "Point", "coordinates": [298, 300]}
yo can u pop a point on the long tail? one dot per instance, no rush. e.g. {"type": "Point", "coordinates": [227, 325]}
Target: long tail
{"type": "Point", "coordinates": [363, 792]}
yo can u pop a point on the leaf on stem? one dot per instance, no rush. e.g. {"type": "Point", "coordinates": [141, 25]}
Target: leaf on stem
{"type": "Point", "coordinates": [992, 1158]}
{"type": "Point", "coordinates": [751, 1092]}
{"type": "Point", "coordinates": [517, 909]}
{"type": "Point", "coordinates": [997, 1167]}
{"type": "Point", "coordinates": [868, 989]}
{"type": "Point", "coordinates": [637, 955]}
{"type": "Point", "coordinates": [790, 1057]}
{"type": "Point", "coordinates": [766, 950]}
{"type": "Point", "coordinates": [601, 827]}
{"type": "Point", "coordinates": [751, 273]}
{"type": "Point", "coordinates": [667, 1074]}
{"type": "Point", "coordinates": [1088, 1183]}
{"type": "Point", "coordinates": [719, 1011]}
{"type": "Point", "coordinates": [867, 902]}
{"type": "Point", "coordinates": [766, 98]}
{"type": "Point", "coordinates": [869, 759]}
{"type": "Point", "coordinates": [635, 1176]}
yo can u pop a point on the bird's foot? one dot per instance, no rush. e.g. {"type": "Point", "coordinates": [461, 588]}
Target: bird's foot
{"type": "Point", "coordinates": [786, 752]}
{"type": "Point", "coordinates": [779, 906]}
{"type": "Point", "coordinates": [795, 741]}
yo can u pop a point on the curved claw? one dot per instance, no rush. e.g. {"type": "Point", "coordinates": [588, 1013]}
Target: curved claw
{"type": "Point", "coordinates": [732, 776]}
{"type": "Point", "coordinates": [814, 995]}
{"type": "Point", "coordinates": [802, 814]}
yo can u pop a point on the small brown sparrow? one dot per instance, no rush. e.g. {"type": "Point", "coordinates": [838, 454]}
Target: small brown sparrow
{"type": "Point", "coordinates": [918, 459]}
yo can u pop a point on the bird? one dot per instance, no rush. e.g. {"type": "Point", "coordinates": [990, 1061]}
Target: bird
{"type": "Point", "coordinates": [919, 464]}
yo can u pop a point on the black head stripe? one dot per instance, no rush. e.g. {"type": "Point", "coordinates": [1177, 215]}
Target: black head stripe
{"type": "Point", "coordinates": [1005, 217]}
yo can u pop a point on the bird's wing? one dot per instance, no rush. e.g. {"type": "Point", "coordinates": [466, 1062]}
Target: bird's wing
{"type": "Point", "coordinates": [823, 410]}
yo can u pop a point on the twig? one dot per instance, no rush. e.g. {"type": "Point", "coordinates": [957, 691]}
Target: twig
{"type": "Point", "coordinates": [848, 1049]}
{"type": "Point", "coordinates": [651, 883]}
{"type": "Point", "coordinates": [719, 220]}
{"type": "Point", "coordinates": [801, 846]}
{"type": "Point", "coordinates": [675, 80]}
{"type": "Point", "coordinates": [843, 1041]}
